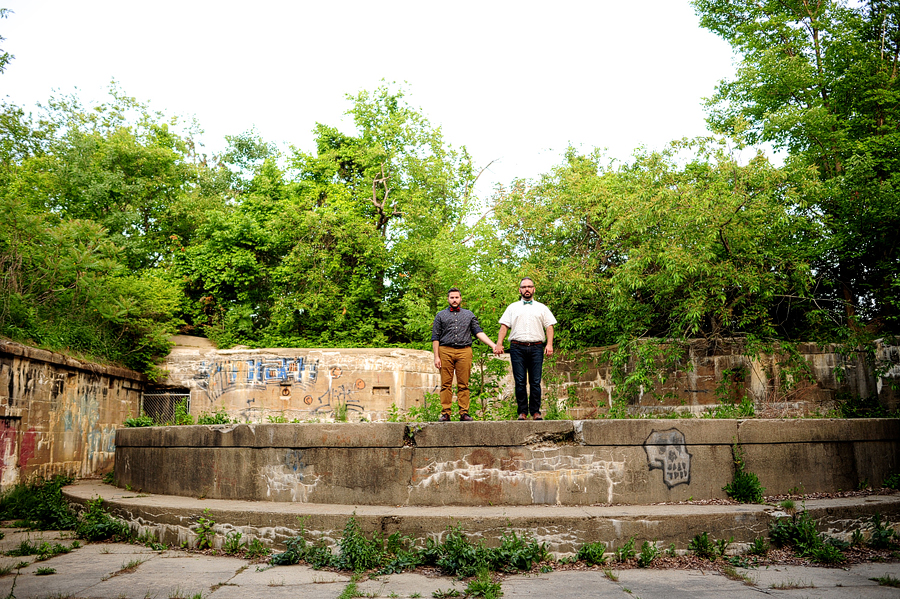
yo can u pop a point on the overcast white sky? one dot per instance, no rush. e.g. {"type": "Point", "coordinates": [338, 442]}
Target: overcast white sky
{"type": "Point", "coordinates": [513, 81]}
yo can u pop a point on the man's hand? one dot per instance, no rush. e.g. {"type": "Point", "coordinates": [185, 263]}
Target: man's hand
{"type": "Point", "coordinates": [498, 349]}
{"type": "Point", "coordinates": [548, 349]}
{"type": "Point", "coordinates": [437, 363]}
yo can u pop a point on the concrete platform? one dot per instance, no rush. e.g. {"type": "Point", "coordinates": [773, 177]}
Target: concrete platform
{"type": "Point", "coordinates": [564, 528]}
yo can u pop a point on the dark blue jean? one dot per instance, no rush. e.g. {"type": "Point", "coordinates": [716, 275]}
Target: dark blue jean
{"type": "Point", "coordinates": [527, 361]}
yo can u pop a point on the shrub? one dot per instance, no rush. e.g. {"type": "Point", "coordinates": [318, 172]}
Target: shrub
{"type": "Point", "coordinates": [649, 552]}
{"type": "Point", "coordinates": [592, 553]}
{"type": "Point", "coordinates": [745, 486]}
{"type": "Point", "coordinates": [95, 524]}
{"type": "Point", "coordinates": [39, 505]}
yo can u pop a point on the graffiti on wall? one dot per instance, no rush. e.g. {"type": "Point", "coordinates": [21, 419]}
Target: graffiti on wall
{"type": "Point", "coordinates": [667, 451]}
{"type": "Point", "coordinates": [300, 377]}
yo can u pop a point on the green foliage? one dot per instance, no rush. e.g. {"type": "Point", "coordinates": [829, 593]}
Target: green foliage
{"type": "Point", "coordinates": [233, 544]}
{"type": "Point", "coordinates": [483, 586]}
{"type": "Point", "coordinates": [44, 571]}
{"type": "Point", "coordinates": [800, 533]}
{"type": "Point", "coordinates": [39, 505]}
{"type": "Point", "coordinates": [883, 536]}
{"type": "Point", "coordinates": [220, 416]}
{"type": "Point", "coordinates": [759, 546]}
{"type": "Point", "coordinates": [649, 552]}
{"type": "Point", "coordinates": [745, 486]}
{"type": "Point", "coordinates": [136, 421]}
{"type": "Point", "coordinates": [892, 481]}
{"type": "Point", "coordinates": [592, 553]}
{"type": "Point", "coordinates": [819, 80]}
{"type": "Point", "coordinates": [357, 553]}
{"type": "Point", "coordinates": [205, 531]}
{"type": "Point", "coordinates": [255, 549]}
{"type": "Point", "coordinates": [708, 548]}
{"type": "Point", "coordinates": [181, 415]}
{"type": "Point", "coordinates": [517, 553]}
{"type": "Point", "coordinates": [44, 550]}
{"type": "Point", "coordinates": [626, 551]}
{"type": "Point", "coordinates": [743, 409]}
{"type": "Point", "coordinates": [95, 524]}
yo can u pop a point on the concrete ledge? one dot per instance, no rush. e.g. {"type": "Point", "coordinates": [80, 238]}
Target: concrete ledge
{"type": "Point", "coordinates": [568, 463]}
{"type": "Point", "coordinates": [564, 528]}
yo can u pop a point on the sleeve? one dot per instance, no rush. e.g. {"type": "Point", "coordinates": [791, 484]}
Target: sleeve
{"type": "Point", "coordinates": [436, 328]}
{"type": "Point", "coordinates": [548, 319]}
{"type": "Point", "coordinates": [506, 318]}
{"type": "Point", "coordinates": [474, 326]}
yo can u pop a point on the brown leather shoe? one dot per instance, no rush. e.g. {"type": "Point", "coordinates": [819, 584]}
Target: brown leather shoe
{"type": "Point", "coordinates": [465, 418]}
{"type": "Point", "coordinates": [523, 416]}
{"type": "Point", "coordinates": [537, 416]}
{"type": "Point", "coordinates": [444, 418]}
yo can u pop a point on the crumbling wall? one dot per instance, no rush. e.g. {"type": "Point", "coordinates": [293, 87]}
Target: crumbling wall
{"type": "Point", "coordinates": [59, 415]}
{"type": "Point", "coordinates": [300, 384]}
{"type": "Point", "coordinates": [707, 373]}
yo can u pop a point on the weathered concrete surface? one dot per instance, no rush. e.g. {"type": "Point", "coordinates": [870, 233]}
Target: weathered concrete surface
{"type": "Point", "coordinates": [59, 415]}
{"type": "Point", "coordinates": [564, 528]}
{"type": "Point", "coordinates": [708, 373]}
{"type": "Point", "coordinates": [299, 384]}
{"type": "Point", "coordinates": [504, 463]}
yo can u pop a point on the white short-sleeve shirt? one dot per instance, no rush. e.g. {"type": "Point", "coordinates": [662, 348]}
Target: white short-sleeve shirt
{"type": "Point", "coordinates": [526, 322]}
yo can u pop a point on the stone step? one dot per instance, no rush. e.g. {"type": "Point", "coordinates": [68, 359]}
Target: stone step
{"type": "Point", "coordinates": [172, 519]}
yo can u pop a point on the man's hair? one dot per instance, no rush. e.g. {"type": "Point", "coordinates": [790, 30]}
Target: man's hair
{"type": "Point", "coordinates": [525, 279]}
{"type": "Point", "coordinates": [452, 289]}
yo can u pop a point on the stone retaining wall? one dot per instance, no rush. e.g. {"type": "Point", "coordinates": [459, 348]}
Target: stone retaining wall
{"type": "Point", "coordinates": [504, 463]}
{"type": "Point", "coordinates": [59, 415]}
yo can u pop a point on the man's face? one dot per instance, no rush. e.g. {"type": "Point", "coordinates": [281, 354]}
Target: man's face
{"type": "Point", "coordinates": [454, 298]}
{"type": "Point", "coordinates": [526, 289]}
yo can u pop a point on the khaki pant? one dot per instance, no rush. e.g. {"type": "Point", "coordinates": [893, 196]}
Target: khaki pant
{"type": "Point", "coordinates": [460, 362]}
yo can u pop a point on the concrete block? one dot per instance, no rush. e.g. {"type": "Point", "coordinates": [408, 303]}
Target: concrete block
{"type": "Point", "coordinates": [639, 431]}
{"type": "Point", "coordinates": [490, 434]}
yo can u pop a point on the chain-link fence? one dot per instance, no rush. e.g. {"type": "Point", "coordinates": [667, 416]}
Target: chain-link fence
{"type": "Point", "coordinates": [161, 406]}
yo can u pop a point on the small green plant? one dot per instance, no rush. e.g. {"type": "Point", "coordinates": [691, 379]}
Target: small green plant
{"type": "Point", "coordinates": [626, 551]}
{"type": "Point", "coordinates": [592, 553]}
{"type": "Point", "coordinates": [759, 546]}
{"type": "Point", "coordinates": [233, 544]}
{"type": "Point", "coordinates": [745, 486]}
{"type": "Point", "coordinates": [439, 594]}
{"type": "Point", "coordinates": [887, 581]}
{"type": "Point", "coordinates": [44, 571]}
{"type": "Point", "coordinates": [148, 539]}
{"type": "Point", "coordinates": [256, 549]}
{"type": "Point", "coordinates": [671, 551]}
{"type": "Point", "coordinates": [95, 524]}
{"type": "Point", "coordinates": [205, 531]}
{"type": "Point", "coordinates": [609, 574]}
{"type": "Point", "coordinates": [857, 539]}
{"type": "Point", "coordinates": [350, 591]}
{"type": "Point", "coordinates": [277, 419]}
{"type": "Point", "coordinates": [800, 532]}
{"type": "Point", "coordinates": [38, 505]}
{"type": "Point", "coordinates": [883, 536]}
{"type": "Point", "coordinates": [483, 586]}
{"type": "Point", "coordinates": [704, 547]}
{"type": "Point", "coordinates": [220, 416]}
{"type": "Point", "coordinates": [649, 552]}
{"type": "Point", "coordinates": [357, 552]}
{"type": "Point", "coordinates": [892, 481]}
{"type": "Point", "coordinates": [139, 421]}
{"type": "Point", "coordinates": [182, 415]}
{"type": "Point", "coordinates": [340, 412]}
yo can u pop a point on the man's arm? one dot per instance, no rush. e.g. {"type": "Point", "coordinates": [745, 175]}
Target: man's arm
{"type": "Point", "coordinates": [486, 340]}
{"type": "Point", "coordinates": [437, 356]}
{"type": "Point", "coordinates": [548, 350]}
{"type": "Point", "coordinates": [498, 348]}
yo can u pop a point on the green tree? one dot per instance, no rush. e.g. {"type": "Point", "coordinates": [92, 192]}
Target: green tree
{"type": "Point", "coordinates": [654, 248]}
{"type": "Point", "coordinates": [820, 79]}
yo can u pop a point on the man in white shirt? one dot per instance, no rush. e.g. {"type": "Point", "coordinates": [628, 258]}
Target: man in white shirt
{"type": "Point", "coordinates": [527, 320]}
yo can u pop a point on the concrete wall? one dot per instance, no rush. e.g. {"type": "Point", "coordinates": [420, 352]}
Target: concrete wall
{"type": "Point", "coordinates": [503, 463]}
{"type": "Point", "coordinates": [59, 415]}
{"type": "Point", "coordinates": [708, 373]}
{"type": "Point", "coordinates": [299, 384]}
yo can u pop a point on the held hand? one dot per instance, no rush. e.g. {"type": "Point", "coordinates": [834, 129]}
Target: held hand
{"type": "Point", "coordinates": [437, 363]}
{"type": "Point", "coordinates": [498, 349]}
{"type": "Point", "coordinates": [548, 351]}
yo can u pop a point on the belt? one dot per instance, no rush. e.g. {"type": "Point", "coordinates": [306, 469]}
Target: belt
{"type": "Point", "coordinates": [527, 342]}
{"type": "Point", "coordinates": [457, 346]}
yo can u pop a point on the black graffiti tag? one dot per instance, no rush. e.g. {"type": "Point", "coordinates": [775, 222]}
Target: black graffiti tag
{"type": "Point", "coordinates": [667, 451]}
